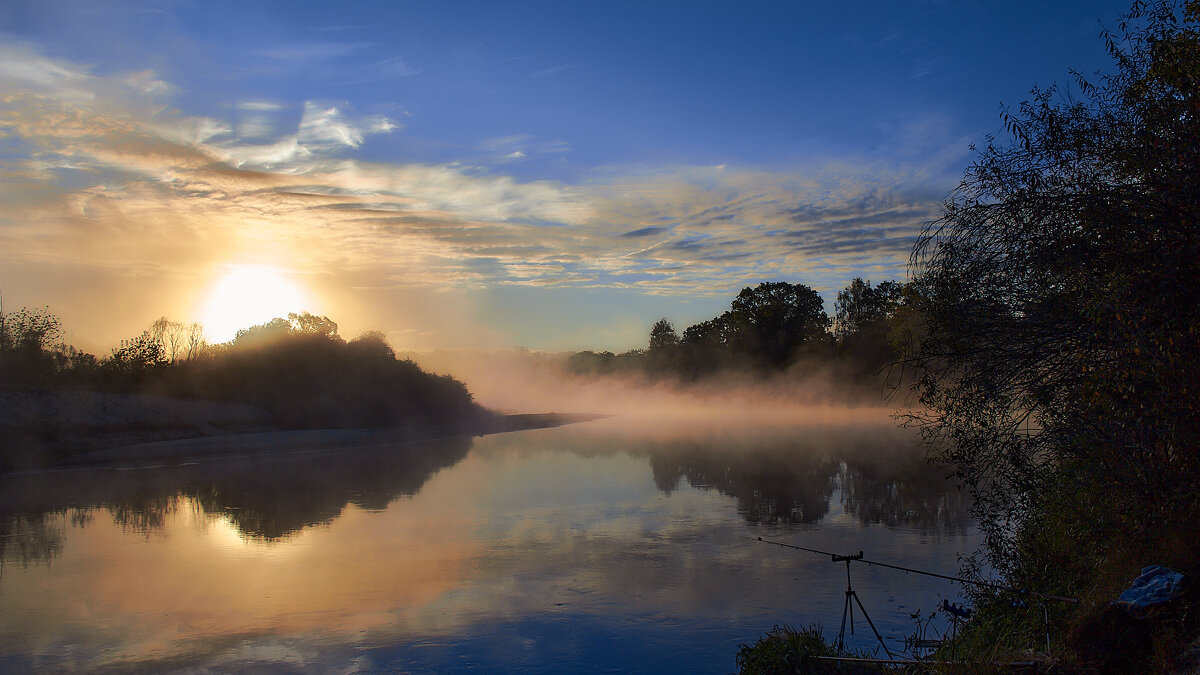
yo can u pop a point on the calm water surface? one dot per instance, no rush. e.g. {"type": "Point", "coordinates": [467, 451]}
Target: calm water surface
{"type": "Point", "coordinates": [594, 547]}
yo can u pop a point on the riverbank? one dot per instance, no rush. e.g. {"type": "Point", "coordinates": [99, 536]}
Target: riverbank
{"type": "Point", "coordinates": [57, 429]}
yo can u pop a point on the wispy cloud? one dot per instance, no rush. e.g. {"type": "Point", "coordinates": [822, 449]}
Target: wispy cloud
{"type": "Point", "coordinates": [504, 149]}
{"type": "Point", "coordinates": [103, 173]}
{"type": "Point", "coordinates": [346, 62]}
{"type": "Point", "coordinates": [553, 70]}
{"type": "Point", "coordinates": [307, 53]}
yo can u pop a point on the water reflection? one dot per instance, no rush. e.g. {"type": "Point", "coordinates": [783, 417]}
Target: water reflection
{"type": "Point", "coordinates": [267, 497]}
{"type": "Point", "coordinates": [545, 550]}
{"type": "Point", "coordinates": [771, 487]}
{"type": "Point", "coordinates": [777, 478]}
{"type": "Point", "coordinates": [782, 477]}
{"type": "Point", "coordinates": [30, 538]}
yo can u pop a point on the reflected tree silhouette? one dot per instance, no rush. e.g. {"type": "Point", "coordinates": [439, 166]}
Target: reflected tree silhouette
{"type": "Point", "coordinates": [30, 539]}
{"type": "Point", "coordinates": [784, 482]}
{"type": "Point", "coordinates": [264, 497]}
{"type": "Point", "coordinates": [143, 514]}
{"type": "Point", "coordinates": [915, 499]}
{"type": "Point", "coordinates": [771, 488]}
{"type": "Point", "coordinates": [777, 480]}
{"type": "Point", "coordinates": [273, 505]}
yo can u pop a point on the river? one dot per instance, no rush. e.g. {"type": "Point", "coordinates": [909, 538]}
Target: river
{"type": "Point", "coordinates": [593, 547]}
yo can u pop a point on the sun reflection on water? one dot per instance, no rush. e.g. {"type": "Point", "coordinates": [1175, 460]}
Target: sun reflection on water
{"type": "Point", "coordinates": [557, 525]}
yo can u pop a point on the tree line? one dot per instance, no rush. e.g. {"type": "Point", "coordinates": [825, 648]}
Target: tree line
{"type": "Point", "coordinates": [298, 370]}
{"type": "Point", "coordinates": [772, 327]}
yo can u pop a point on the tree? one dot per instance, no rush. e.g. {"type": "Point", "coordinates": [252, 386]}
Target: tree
{"type": "Point", "coordinates": [136, 360]}
{"type": "Point", "coordinates": [772, 320]}
{"type": "Point", "coordinates": [372, 344]}
{"type": "Point", "coordinates": [194, 341]}
{"type": "Point", "coordinates": [173, 337]}
{"type": "Point", "coordinates": [261, 334]}
{"type": "Point", "coordinates": [31, 348]}
{"type": "Point", "coordinates": [863, 322]}
{"type": "Point", "coordinates": [663, 336]}
{"type": "Point", "coordinates": [859, 307]}
{"type": "Point", "coordinates": [663, 355]}
{"type": "Point", "coordinates": [295, 324]}
{"type": "Point", "coordinates": [29, 329]}
{"type": "Point", "coordinates": [1058, 352]}
{"type": "Point", "coordinates": [311, 323]}
{"type": "Point", "coordinates": [704, 347]}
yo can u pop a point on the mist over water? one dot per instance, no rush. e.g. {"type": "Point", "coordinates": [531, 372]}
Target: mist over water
{"type": "Point", "coordinates": [624, 543]}
{"type": "Point", "coordinates": [808, 392]}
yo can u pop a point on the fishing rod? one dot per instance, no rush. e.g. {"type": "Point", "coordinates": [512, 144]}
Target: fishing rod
{"type": "Point", "coordinates": [859, 558]}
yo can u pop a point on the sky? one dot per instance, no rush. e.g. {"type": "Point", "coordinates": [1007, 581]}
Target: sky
{"type": "Point", "coordinates": [552, 175]}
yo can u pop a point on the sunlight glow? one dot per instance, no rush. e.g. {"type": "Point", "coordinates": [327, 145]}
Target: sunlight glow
{"type": "Point", "coordinates": [248, 295]}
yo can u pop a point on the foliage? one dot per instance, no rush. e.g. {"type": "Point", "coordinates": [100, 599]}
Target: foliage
{"type": "Point", "coordinates": [278, 328]}
{"type": "Point", "coordinates": [767, 328]}
{"type": "Point", "coordinates": [771, 328]}
{"type": "Point", "coordinates": [663, 353]}
{"type": "Point", "coordinates": [32, 329]}
{"type": "Point", "coordinates": [860, 307]}
{"type": "Point", "coordinates": [299, 370]}
{"type": "Point", "coordinates": [863, 323]}
{"type": "Point", "coordinates": [663, 336]}
{"type": "Point", "coordinates": [769, 323]}
{"type": "Point", "coordinates": [784, 650]}
{"type": "Point", "coordinates": [135, 360]}
{"type": "Point", "coordinates": [307, 376]}
{"type": "Point", "coordinates": [180, 342]}
{"type": "Point", "coordinates": [31, 349]}
{"type": "Point", "coordinates": [1059, 325]}
{"type": "Point", "coordinates": [605, 363]}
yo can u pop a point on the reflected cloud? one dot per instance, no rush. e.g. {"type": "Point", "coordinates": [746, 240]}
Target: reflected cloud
{"type": "Point", "coordinates": [346, 556]}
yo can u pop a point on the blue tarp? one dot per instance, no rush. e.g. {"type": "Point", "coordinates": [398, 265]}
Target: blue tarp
{"type": "Point", "coordinates": [1156, 585]}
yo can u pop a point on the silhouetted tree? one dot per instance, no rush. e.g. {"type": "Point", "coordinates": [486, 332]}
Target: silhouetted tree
{"type": "Point", "coordinates": [34, 329]}
{"type": "Point", "coordinates": [372, 345]}
{"type": "Point", "coordinates": [1059, 355]}
{"type": "Point", "coordinates": [30, 341]}
{"type": "Point", "coordinates": [135, 361]}
{"type": "Point", "coordinates": [263, 333]}
{"type": "Point", "coordinates": [704, 347]}
{"type": "Point", "coordinates": [859, 307]}
{"type": "Point", "coordinates": [863, 322]}
{"type": "Point", "coordinates": [306, 376]}
{"type": "Point", "coordinates": [170, 334]}
{"type": "Point", "coordinates": [663, 356]}
{"type": "Point", "coordinates": [194, 341]}
{"type": "Point", "coordinates": [770, 322]}
{"type": "Point", "coordinates": [663, 336]}
{"type": "Point", "coordinates": [311, 323]}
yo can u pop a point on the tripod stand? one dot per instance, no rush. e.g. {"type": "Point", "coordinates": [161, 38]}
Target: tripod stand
{"type": "Point", "coordinates": [848, 608]}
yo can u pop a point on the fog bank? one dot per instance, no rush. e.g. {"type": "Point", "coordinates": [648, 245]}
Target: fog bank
{"type": "Point", "coordinates": [519, 381]}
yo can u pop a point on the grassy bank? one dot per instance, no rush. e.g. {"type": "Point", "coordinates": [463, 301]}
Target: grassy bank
{"type": "Point", "coordinates": [1090, 545]}
{"type": "Point", "coordinates": [1087, 545]}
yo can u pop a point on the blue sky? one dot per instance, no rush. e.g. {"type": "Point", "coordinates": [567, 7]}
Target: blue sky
{"type": "Point", "coordinates": [547, 174]}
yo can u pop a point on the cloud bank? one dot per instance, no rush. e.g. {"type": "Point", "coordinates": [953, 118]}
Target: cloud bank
{"type": "Point", "coordinates": [102, 176]}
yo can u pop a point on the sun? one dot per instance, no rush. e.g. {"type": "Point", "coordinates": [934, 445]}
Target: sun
{"type": "Point", "coordinates": [248, 295]}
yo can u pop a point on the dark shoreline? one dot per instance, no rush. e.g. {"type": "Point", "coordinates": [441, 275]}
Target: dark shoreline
{"type": "Point", "coordinates": [131, 431]}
